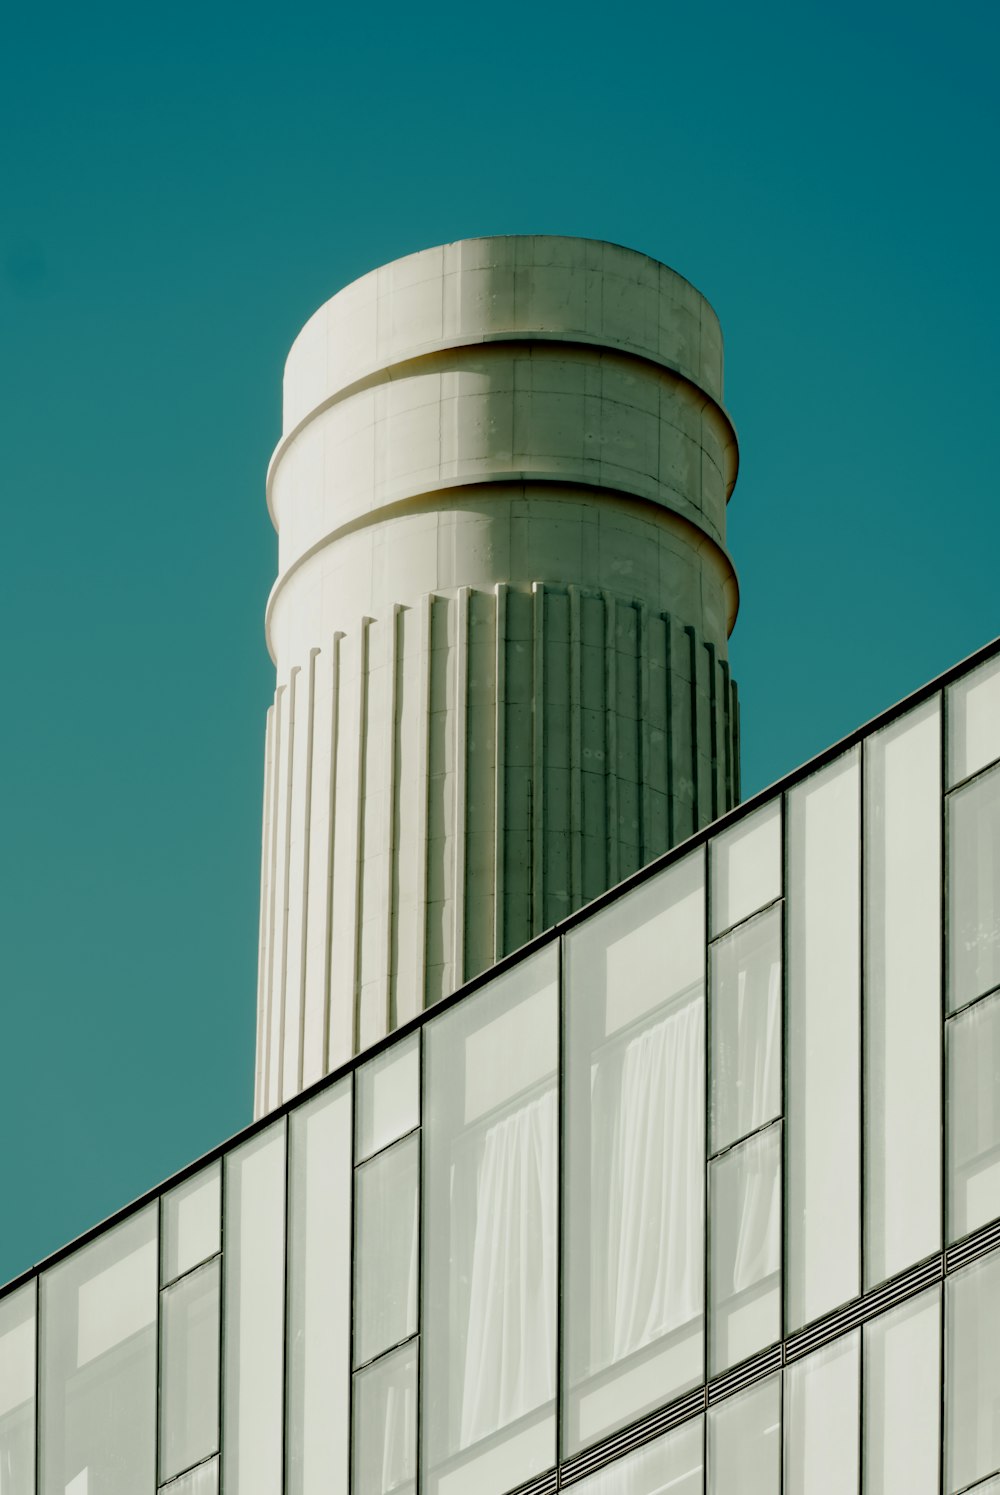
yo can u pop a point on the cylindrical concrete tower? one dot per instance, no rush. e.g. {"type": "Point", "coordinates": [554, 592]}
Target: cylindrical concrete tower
{"type": "Point", "coordinates": [499, 623]}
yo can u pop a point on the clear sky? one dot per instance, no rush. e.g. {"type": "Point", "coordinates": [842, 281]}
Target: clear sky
{"type": "Point", "coordinates": [180, 187]}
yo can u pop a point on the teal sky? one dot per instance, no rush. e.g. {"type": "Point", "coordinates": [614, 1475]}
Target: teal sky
{"type": "Point", "coordinates": [180, 187]}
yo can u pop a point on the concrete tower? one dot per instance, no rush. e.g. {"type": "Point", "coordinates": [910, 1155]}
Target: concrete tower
{"type": "Point", "coordinates": [499, 625]}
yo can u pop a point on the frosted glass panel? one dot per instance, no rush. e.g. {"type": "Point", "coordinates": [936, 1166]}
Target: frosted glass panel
{"type": "Point", "coordinates": [254, 1313]}
{"type": "Point", "coordinates": [201, 1481]}
{"type": "Point", "coordinates": [670, 1466]}
{"type": "Point", "coordinates": [385, 1258]}
{"type": "Point", "coordinates": [388, 1096]}
{"type": "Point", "coordinates": [98, 1365]}
{"type": "Point", "coordinates": [489, 1281]}
{"type": "Point", "coordinates": [903, 993]}
{"type": "Point", "coordinates": [822, 1412]}
{"type": "Point", "coordinates": [903, 1398]}
{"type": "Point", "coordinates": [385, 1425]}
{"type": "Point", "coordinates": [746, 1029]}
{"type": "Point", "coordinates": [822, 1270]}
{"type": "Point", "coordinates": [974, 890]}
{"type": "Point", "coordinates": [744, 1442]}
{"type": "Point", "coordinates": [17, 1392]}
{"type": "Point", "coordinates": [319, 1293]}
{"type": "Point", "coordinates": [745, 1220]}
{"type": "Point", "coordinates": [192, 1222]}
{"type": "Point", "coordinates": [635, 1154]}
{"type": "Point", "coordinates": [974, 721]}
{"type": "Point", "coordinates": [746, 867]}
{"type": "Point", "coordinates": [189, 1371]}
{"type": "Point", "coordinates": [973, 1040]}
{"type": "Point", "coordinates": [972, 1374]}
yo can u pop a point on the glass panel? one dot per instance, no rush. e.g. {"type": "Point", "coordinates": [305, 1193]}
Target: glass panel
{"type": "Point", "coordinates": [192, 1223]}
{"type": "Point", "coordinates": [744, 1442]}
{"type": "Point", "coordinates": [319, 1293]}
{"type": "Point", "coordinates": [98, 1413]}
{"type": "Point", "coordinates": [254, 1313]}
{"type": "Point", "coordinates": [388, 1096]}
{"type": "Point", "coordinates": [385, 1425]}
{"type": "Point", "coordinates": [974, 890]}
{"type": "Point", "coordinates": [490, 1170]}
{"type": "Point", "coordinates": [385, 1251]}
{"type": "Point", "coordinates": [201, 1481]}
{"type": "Point", "coordinates": [635, 1153]}
{"type": "Point", "coordinates": [972, 1373]}
{"type": "Point", "coordinates": [746, 867]}
{"type": "Point", "coordinates": [17, 1392]}
{"type": "Point", "coordinates": [189, 1371]}
{"type": "Point", "coordinates": [745, 1186]}
{"type": "Point", "coordinates": [974, 721]}
{"type": "Point", "coordinates": [822, 1269]}
{"type": "Point", "coordinates": [671, 1464]}
{"type": "Point", "coordinates": [746, 1029]}
{"type": "Point", "coordinates": [973, 1041]}
{"type": "Point", "coordinates": [903, 993]}
{"type": "Point", "coordinates": [903, 1398]}
{"type": "Point", "coordinates": [822, 1411]}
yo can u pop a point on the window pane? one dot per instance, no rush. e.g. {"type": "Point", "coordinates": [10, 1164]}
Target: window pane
{"type": "Point", "coordinates": [822, 1412]}
{"type": "Point", "coordinates": [746, 867]}
{"type": "Point", "coordinates": [822, 1270]}
{"type": "Point", "coordinates": [385, 1425]}
{"type": "Point", "coordinates": [973, 1040]}
{"type": "Point", "coordinates": [974, 721]}
{"type": "Point", "coordinates": [489, 1313]}
{"type": "Point", "coordinates": [319, 1293]}
{"type": "Point", "coordinates": [17, 1392]}
{"type": "Point", "coordinates": [745, 1206]}
{"type": "Point", "coordinates": [974, 890]}
{"type": "Point", "coordinates": [972, 1374]}
{"type": "Point", "coordinates": [903, 1398]}
{"type": "Point", "coordinates": [671, 1464]}
{"type": "Point", "coordinates": [98, 1427]}
{"type": "Point", "coordinates": [201, 1481]}
{"type": "Point", "coordinates": [903, 992]}
{"type": "Point", "coordinates": [388, 1096]}
{"type": "Point", "coordinates": [385, 1251]}
{"type": "Point", "coordinates": [254, 1313]}
{"type": "Point", "coordinates": [189, 1371]}
{"type": "Point", "coordinates": [191, 1223]}
{"type": "Point", "coordinates": [635, 1154]}
{"type": "Point", "coordinates": [746, 1029]}
{"type": "Point", "coordinates": [744, 1442]}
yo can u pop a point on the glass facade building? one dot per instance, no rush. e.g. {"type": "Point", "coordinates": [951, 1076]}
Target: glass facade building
{"type": "Point", "coordinates": [698, 1193]}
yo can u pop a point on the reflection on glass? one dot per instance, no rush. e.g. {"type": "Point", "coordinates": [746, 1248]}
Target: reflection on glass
{"type": "Point", "coordinates": [192, 1223]}
{"type": "Point", "coordinates": [746, 867]}
{"type": "Point", "coordinates": [385, 1425]}
{"type": "Point", "coordinates": [823, 1042]}
{"type": "Point", "coordinates": [189, 1371]}
{"type": "Point", "coordinates": [974, 890]}
{"type": "Point", "coordinates": [671, 1464]}
{"type": "Point", "coordinates": [635, 1154]}
{"type": "Point", "coordinates": [902, 1383]}
{"type": "Point", "coordinates": [822, 1414]}
{"type": "Point", "coordinates": [17, 1392]}
{"type": "Point", "coordinates": [744, 1442]}
{"type": "Point", "coordinates": [973, 1041]}
{"type": "Point", "coordinates": [490, 1170]}
{"type": "Point", "coordinates": [903, 992]}
{"type": "Point", "coordinates": [388, 1096]}
{"type": "Point", "coordinates": [319, 1292]}
{"type": "Point", "coordinates": [385, 1251]}
{"type": "Point", "coordinates": [746, 1029]}
{"type": "Point", "coordinates": [974, 721]}
{"type": "Point", "coordinates": [98, 1365]}
{"type": "Point", "coordinates": [201, 1481]}
{"type": "Point", "coordinates": [254, 1313]}
{"type": "Point", "coordinates": [745, 1187]}
{"type": "Point", "coordinates": [972, 1374]}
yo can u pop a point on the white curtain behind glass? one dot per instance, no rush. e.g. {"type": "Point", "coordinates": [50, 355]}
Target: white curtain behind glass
{"type": "Point", "coordinates": [758, 1088]}
{"type": "Point", "coordinates": [758, 1241]}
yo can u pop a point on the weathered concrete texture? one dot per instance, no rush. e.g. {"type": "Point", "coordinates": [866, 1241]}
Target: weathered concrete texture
{"type": "Point", "coordinates": [499, 624]}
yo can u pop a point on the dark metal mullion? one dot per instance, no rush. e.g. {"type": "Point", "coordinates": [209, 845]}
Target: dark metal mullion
{"type": "Point", "coordinates": [286, 1326]}
{"type": "Point", "coordinates": [863, 760]}
{"type": "Point", "coordinates": [223, 1275]}
{"type": "Point", "coordinates": [783, 1313]}
{"type": "Point", "coordinates": [418, 1432]}
{"type": "Point", "coordinates": [37, 1451]}
{"type": "Point", "coordinates": [157, 1418]}
{"type": "Point", "coordinates": [352, 1206]}
{"type": "Point", "coordinates": [764, 1126]}
{"type": "Point", "coordinates": [943, 1157]}
{"type": "Point", "coordinates": [708, 1316]}
{"type": "Point", "coordinates": [755, 913]}
{"type": "Point", "coordinates": [561, 1185]}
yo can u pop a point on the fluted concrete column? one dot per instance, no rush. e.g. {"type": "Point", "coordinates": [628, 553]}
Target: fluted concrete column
{"type": "Point", "coordinates": [499, 624]}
